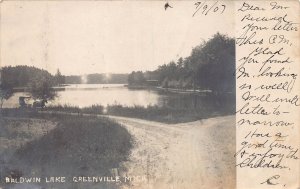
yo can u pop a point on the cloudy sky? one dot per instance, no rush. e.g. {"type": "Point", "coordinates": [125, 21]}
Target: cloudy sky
{"type": "Point", "coordinates": [104, 36]}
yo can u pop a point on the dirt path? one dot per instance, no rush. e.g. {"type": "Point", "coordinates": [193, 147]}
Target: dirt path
{"type": "Point", "coordinates": [190, 155]}
{"type": "Point", "coordinates": [181, 156]}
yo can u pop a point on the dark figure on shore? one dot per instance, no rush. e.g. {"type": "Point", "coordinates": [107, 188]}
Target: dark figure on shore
{"type": "Point", "coordinates": [22, 102]}
{"type": "Point", "coordinates": [40, 104]}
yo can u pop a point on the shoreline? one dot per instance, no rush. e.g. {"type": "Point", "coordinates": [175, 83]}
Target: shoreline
{"type": "Point", "coordinates": [171, 90]}
{"type": "Point", "coordinates": [130, 87]}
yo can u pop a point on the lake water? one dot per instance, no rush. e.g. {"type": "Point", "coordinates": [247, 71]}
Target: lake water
{"type": "Point", "coordinates": [83, 95]}
{"type": "Point", "coordinates": [106, 94]}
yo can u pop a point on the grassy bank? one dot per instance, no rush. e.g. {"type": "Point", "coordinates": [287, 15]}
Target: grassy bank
{"type": "Point", "coordinates": [166, 114]}
{"type": "Point", "coordinates": [94, 109]}
{"type": "Point", "coordinates": [152, 113]}
{"type": "Point", "coordinates": [155, 113]}
{"type": "Point", "coordinates": [177, 109]}
{"type": "Point", "coordinates": [77, 146]}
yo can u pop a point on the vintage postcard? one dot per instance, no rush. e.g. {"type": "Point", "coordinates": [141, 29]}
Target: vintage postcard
{"type": "Point", "coordinates": [149, 94]}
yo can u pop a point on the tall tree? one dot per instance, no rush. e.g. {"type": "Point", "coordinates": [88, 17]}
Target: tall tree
{"type": "Point", "coordinates": [59, 78]}
{"type": "Point", "coordinates": [136, 78]}
{"type": "Point", "coordinates": [5, 94]}
{"type": "Point", "coordinates": [211, 66]}
{"type": "Point", "coordinates": [40, 87]}
{"type": "Point", "coordinates": [217, 68]}
{"type": "Point", "coordinates": [6, 91]}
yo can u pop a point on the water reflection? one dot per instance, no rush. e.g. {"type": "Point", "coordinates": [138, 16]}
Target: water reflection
{"type": "Point", "coordinates": [85, 95]}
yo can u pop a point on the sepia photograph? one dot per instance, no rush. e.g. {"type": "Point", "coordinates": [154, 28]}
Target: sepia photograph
{"type": "Point", "coordinates": [117, 95]}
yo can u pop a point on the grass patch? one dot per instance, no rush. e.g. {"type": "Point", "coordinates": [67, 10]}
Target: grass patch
{"type": "Point", "coordinates": [165, 114]}
{"type": "Point", "coordinates": [78, 146]}
{"type": "Point", "coordinates": [94, 109]}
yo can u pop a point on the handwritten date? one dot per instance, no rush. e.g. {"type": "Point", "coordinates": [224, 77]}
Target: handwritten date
{"type": "Point", "coordinates": [204, 8]}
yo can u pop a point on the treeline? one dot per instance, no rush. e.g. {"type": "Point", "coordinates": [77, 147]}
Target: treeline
{"type": "Point", "coordinates": [22, 76]}
{"type": "Point", "coordinates": [40, 83]}
{"type": "Point", "coordinates": [37, 82]}
{"type": "Point", "coordinates": [211, 66]}
{"type": "Point", "coordinates": [97, 79]}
